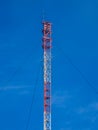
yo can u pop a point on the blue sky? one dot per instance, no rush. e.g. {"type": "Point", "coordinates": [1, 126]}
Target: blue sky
{"type": "Point", "coordinates": [75, 30]}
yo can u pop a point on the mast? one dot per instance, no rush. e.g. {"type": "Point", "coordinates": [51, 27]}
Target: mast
{"type": "Point", "coordinates": [47, 73]}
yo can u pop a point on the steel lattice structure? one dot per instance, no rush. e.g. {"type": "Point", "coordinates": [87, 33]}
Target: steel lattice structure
{"type": "Point", "coordinates": [47, 73]}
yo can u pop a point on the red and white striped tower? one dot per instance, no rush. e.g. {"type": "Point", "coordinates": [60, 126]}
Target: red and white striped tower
{"type": "Point", "coordinates": [47, 73]}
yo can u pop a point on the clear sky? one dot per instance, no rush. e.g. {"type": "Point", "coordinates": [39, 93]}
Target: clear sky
{"type": "Point", "coordinates": [75, 34]}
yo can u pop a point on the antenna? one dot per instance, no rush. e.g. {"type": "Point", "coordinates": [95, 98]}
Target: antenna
{"type": "Point", "coordinates": [43, 15]}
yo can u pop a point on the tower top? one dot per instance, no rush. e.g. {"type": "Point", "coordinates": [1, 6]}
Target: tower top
{"type": "Point", "coordinates": [47, 22]}
{"type": "Point", "coordinates": [46, 35]}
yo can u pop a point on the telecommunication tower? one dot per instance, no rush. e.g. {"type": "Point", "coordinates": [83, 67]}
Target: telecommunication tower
{"type": "Point", "coordinates": [47, 73]}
